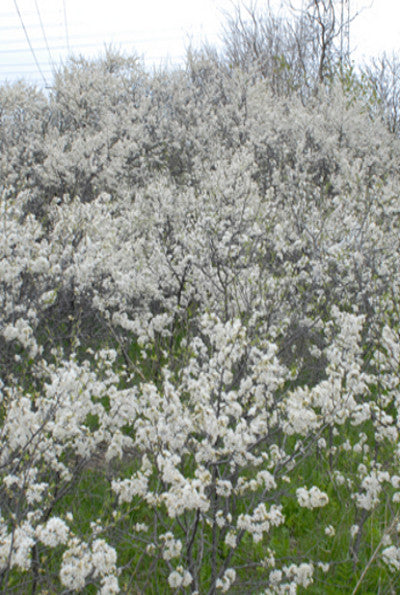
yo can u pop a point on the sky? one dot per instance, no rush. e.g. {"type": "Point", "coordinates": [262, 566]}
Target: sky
{"type": "Point", "coordinates": [157, 30]}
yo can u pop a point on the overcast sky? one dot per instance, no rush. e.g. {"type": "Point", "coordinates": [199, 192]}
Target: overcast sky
{"type": "Point", "coordinates": [156, 29]}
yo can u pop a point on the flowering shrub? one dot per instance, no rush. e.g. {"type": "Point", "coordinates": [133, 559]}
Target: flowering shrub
{"type": "Point", "coordinates": [199, 335]}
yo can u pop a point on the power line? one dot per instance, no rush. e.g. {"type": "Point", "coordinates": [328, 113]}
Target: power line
{"type": "Point", "coordinates": [168, 34]}
{"type": "Point", "coordinates": [29, 43]}
{"type": "Point", "coordinates": [21, 74]}
{"type": "Point", "coordinates": [66, 26]}
{"type": "Point", "coordinates": [41, 46]}
{"type": "Point", "coordinates": [134, 32]}
{"type": "Point", "coordinates": [43, 31]}
{"type": "Point", "coordinates": [133, 42]}
{"type": "Point", "coordinates": [40, 49]}
{"type": "Point", "coordinates": [14, 66]}
{"type": "Point", "coordinates": [14, 27]}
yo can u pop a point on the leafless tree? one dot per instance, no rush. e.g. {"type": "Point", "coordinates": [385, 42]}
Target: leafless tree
{"type": "Point", "coordinates": [299, 51]}
{"type": "Point", "coordinates": [382, 77]}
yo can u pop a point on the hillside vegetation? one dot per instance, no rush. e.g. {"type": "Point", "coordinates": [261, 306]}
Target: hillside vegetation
{"type": "Point", "coordinates": [199, 330]}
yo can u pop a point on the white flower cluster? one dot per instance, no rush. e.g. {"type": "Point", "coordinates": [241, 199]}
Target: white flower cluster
{"type": "Point", "coordinates": [301, 574]}
{"type": "Point", "coordinates": [391, 557]}
{"type": "Point", "coordinates": [371, 486]}
{"type": "Point", "coordinates": [171, 547]}
{"type": "Point", "coordinates": [298, 575]}
{"type": "Point", "coordinates": [22, 331]}
{"type": "Point", "coordinates": [126, 489]}
{"type": "Point", "coordinates": [330, 531]}
{"type": "Point", "coordinates": [230, 539]}
{"type": "Point", "coordinates": [81, 561]}
{"type": "Point", "coordinates": [179, 578]}
{"type": "Point", "coordinates": [54, 532]}
{"type": "Point", "coordinates": [227, 580]}
{"type": "Point", "coordinates": [311, 498]}
{"type": "Point", "coordinates": [261, 520]}
{"type": "Point", "coordinates": [16, 546]}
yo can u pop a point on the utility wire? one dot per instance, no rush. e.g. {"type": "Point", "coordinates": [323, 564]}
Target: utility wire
{"type": "Point", "coordinates": [66, 26]}
{"type": "Point", "coordinates": [118, 36]}
{"type": "Point", "coordinates": [43, 31]}
{"type": "Point", "coordinates": [94, 44]}
{"type": "Point", "coordinates": [97, 41]}
{"type": "Point", "coordinates": [44, 65]}
{"type": "Point", "coordinates": [133, 32]}
{"type": "Point", "coordinates": [29, 43]}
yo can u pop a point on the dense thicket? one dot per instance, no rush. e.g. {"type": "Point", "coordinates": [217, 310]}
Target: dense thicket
{"type": "Point", "coordinates": [199, 330]}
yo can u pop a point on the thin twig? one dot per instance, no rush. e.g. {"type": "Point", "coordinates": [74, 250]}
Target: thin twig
{"type": "Point", "coordinates": [372, 558]}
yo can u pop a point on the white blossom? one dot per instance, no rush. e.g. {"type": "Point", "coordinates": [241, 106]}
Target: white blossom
{"type": "Point", "coordinates": [330, 531]}
{"type": "Point", "coordinates": [53, 533]}
{"type": "Point", "coordinates": [311, 498]}
{"type": "Point", "coordinates": [227, 580]}
{"type": "Point", "coordinates": [391, 557]}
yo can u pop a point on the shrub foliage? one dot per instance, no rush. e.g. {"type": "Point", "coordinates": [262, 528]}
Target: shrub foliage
{"type": "Point", "coordinates": [199, 333]}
